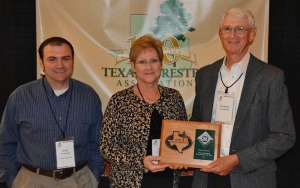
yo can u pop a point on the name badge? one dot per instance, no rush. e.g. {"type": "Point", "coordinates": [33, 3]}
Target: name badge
{"type": "Point", "coordinates": [65, 156]}
{"type": "Point", "coordinates": [155, 148]}
{"type": "Point", "coordinates": [224, 109]}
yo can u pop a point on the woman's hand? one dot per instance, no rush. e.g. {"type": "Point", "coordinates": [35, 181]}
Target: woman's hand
{"type": "Point", "coordinates": [151, 163]}
{"type": "Point", "coordinates": [178, 167]}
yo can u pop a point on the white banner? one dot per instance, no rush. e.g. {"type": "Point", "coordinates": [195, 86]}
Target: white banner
{"type": "Point", "coordinates": [102, 31]}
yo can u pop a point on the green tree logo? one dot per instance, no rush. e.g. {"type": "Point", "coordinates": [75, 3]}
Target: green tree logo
{"type": "Point", "coordinates": [174, 20]}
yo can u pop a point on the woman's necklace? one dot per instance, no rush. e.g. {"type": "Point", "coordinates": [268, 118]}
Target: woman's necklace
{"type": "Point", "coordinates": [151, 102]}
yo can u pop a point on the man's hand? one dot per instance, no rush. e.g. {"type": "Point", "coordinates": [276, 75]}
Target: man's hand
{"type": "Point", "coordinates": [222, 166]}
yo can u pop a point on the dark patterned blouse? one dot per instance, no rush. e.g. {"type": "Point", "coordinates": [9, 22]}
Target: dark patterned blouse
{"type": "Point", "coordinates": [125, 131]}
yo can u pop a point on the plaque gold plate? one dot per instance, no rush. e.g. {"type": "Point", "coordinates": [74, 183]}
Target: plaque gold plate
{"type": "Point", "coordinates": [190, 144]}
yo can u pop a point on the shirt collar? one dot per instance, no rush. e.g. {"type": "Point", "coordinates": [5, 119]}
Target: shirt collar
{"type": "Point", "coordinates": [238, 67]}
{"type": "Point", "coordinates": [49, 89]}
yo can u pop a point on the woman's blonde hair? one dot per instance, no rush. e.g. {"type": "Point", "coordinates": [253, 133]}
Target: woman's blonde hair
{"type": "Point", "coordinates": [145, 42]}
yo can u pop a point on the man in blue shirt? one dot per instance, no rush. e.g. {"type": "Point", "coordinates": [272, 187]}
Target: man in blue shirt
{"type": "Point", "coordinates": [49, 133]}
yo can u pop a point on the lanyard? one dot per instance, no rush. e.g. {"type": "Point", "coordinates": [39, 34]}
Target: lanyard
{"type": "Point", "coordinates": [227, 87]}
{"type": "Point", "coordinates": [141, 92]}
{"type": "Point", "coordinates": [65, 127]}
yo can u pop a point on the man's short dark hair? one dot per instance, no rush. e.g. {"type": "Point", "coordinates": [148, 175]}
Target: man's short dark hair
{"type": "Point", "coordinates": [55, 41]}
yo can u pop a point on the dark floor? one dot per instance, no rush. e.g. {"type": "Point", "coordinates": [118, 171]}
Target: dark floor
{"type": "Point", "coordinates": [185, 182]}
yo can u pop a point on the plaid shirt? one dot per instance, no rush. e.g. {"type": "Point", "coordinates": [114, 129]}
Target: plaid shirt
{"type": "Point", "coordinates": [29, 127]}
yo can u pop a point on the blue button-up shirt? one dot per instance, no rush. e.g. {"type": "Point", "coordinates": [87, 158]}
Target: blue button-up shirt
{"type": "Point", "coordinates": [34, 118]}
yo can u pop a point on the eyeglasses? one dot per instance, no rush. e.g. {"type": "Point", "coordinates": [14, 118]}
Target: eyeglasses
{"type": "Point", "coordinates": [237, 30]}
{"type": "Point", "coordinates": [152, 62]}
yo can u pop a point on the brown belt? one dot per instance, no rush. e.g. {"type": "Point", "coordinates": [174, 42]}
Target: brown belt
{"type": "Point", "coordinates": [55, 174]}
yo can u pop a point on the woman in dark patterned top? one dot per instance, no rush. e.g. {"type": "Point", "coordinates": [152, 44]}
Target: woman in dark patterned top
{"type": "Point", "coordinates": [133, 119]}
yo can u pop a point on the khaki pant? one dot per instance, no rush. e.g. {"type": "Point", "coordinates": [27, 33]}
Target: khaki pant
{"type": "Point", "coordinates": [83, 178]}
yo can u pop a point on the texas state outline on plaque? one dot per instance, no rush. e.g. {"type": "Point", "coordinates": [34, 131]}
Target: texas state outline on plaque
{"type": "Point", "coordinates": [179, 142]}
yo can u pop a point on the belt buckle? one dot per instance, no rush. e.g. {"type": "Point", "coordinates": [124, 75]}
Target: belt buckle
{"type": "Point", "coordinates": [58, 174]}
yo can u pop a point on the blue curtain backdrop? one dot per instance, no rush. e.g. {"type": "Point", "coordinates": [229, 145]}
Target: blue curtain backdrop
{"type": "Point", "coordinates": [18, 63]}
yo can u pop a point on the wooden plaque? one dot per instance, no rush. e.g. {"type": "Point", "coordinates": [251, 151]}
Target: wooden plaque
{"type": "Point", "coordinates": [188, 143]}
